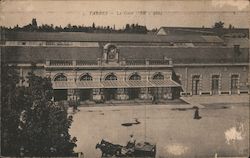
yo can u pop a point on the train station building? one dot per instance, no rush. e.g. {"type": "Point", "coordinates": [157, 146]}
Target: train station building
{"type": "Point", "coordinates": [110, 66]}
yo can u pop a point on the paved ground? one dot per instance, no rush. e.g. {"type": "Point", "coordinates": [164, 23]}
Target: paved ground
{"type": "Point", "coordinates": [223, 129]}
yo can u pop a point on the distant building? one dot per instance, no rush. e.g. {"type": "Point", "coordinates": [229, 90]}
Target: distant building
{"type": "Point", "coordinates": [222, 32]}
{"type": "Point", "coordinates": [103, 67]}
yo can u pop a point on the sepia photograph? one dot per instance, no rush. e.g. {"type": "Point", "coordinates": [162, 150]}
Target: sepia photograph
{"type": "Point", "coordinates": [125, 78]}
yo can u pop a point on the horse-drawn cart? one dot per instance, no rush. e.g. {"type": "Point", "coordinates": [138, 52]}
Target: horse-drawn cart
{"type": "Point", "coordinates": [142, 149]}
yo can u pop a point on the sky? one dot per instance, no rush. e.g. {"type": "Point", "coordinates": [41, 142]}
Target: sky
{"type": "Point", "coordinates": [152, 13]}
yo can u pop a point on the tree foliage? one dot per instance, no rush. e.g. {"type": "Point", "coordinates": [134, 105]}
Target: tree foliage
{"type": "Point", "coordinates": [135, 28]}
{"type": "Point", "coordinates": [34, 27]}
{"type": "Point", "coordinates": [10, 111]}
{"type": "Point", "coordinates": [33, 123]}
{"type": "Point", "coordinates": [219, 25]}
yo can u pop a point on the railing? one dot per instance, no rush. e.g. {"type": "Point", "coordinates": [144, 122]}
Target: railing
{"type": "Point", "coordinates": [135, 62]}
{"type": "Point", "coordinates": [158, 62]}
{"type": "Point", "coordinates": [148, 62]}
{"type": "Point", "coordinates": [86, 62]}
{"type": "Point", "coordinates": [60, 62]}
{"type": "Point", "coordinates": [124, 62]}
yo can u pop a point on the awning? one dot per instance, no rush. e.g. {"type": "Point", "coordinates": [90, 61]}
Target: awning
{"type": "Point", "coordinates": [115, 84]}
{"type": "Point", "coordinates": [63, 85]}
{"type": "Point", "coordinates": [164, 83]}
{"type": "Point", "coordinates": [88, 84]}
{"type": "Point", "coordinates": [139, 83]}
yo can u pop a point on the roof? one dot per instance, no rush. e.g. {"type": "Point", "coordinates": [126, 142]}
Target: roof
{"type": "Point", "coordinates": [201, 30]}
{"type": "Point", "coordinates": [183, 31]}
{"type": "Point", "coordinates": [180, 55]}
{"type": "Point", "coordinates": [103, 37]}
{"type": "Point", "coordinates": [40, 54]}
{"type": "Point", "coordinates": [212, 39]}
{"type": "Point", "coordinates": [243, 42]}
{"type": "Point", "coordinates": [186, 55]}
{"type": "Point", "coordinates": [131, 46]}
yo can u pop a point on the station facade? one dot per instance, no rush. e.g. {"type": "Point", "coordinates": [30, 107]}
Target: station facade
{"type": "Point", "coordinates": [111, 78]}
{"type": "Point", "coordinates": [102, 67]}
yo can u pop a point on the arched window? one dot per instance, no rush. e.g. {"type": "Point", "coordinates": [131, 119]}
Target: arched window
{"type": "Point", "coordinates": [158, 76]}
{"type": "Point", "coordinates": [196, 77]}
{"type": "Point", "coordinates": [60, 77]}
{"type": "Point", "coordinates": [86, 77]}
{"type": "Point", "coordinates": [111, 77]}
{"type": "Point", "coordinates": [135, 77]}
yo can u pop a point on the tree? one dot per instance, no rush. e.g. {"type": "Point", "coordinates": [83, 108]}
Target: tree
{"type": "Point", "coordinates": [127, 27]}
{"type": "Point", "coordinates": [10, 111]}
{"type": "Point", "coordinates": [45, 127]}
{"type": "Point", "coordinates": [31, 121]}
{"type": "Point", "coordinates": [219, 25]}
{"type": "Point", "coordinates": [135, 28]}
{"type": "Point", "coordinates": [34, 23]}
{"type": "Point", "coordinates": [231, 26]}
{"type": "Point", "coordinates": [93, 25]}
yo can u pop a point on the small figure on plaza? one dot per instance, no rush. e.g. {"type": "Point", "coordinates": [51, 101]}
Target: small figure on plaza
{"type": "Point", "coordinates": [153, 99]}
{"type": "Point", "coordinates": [74, 103]}
{"type": "Point", "coordinates": [77, 103]}
{"type": "Point", "coordinates": [196, 113]}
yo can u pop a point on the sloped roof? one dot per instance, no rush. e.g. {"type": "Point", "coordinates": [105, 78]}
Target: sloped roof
{"type": "Point", "coordinates": [178, 54]}
{"type": "Point", "coordinates": [184, 30]}
{"type": "Point", "coordinates": [102, 37]}
{"type": "Point", "coordinates": [212, 39]}
{"type": "Point", "coordinates": [201, 30]}
{"type": "Point", "coordinates": [185, 55]}
{"type": "Point", "coordinates": [243, 42]}
{"type": "Point", "coordinates": [40, 54]}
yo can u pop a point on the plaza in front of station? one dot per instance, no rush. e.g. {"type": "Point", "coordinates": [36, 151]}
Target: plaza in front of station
{"type": "Point", "coordinates": [223, 129]}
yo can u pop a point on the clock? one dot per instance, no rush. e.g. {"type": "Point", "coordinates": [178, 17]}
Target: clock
{"type": "Point", "coordinates": [112, 52]}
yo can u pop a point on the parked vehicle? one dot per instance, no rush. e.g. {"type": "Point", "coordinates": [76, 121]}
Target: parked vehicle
{"type": "Point", "coordinates": [141, 149]}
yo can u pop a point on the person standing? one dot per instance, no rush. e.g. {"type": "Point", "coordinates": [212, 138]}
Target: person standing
{"type": "Point", "coordinates": [153, 99]}
{"type": "Point", "coordinates": [74, 103]}
{"type": "Point", "coordinates": [77, 103]}
{"type": "Point", "coordinates": [196, 113]}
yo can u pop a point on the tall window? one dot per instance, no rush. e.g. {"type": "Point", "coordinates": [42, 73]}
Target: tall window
{"type": "Point", "coordinates": [111, 77]}
{"type": "Point", "coordinates": [158, 76]}
{"type": "Point", "coordinates": [135, 77]}
{"type": "Point", "coordinates": [157, 92]}
{"type": "Point", "coordinates": [60, 77]}
{"type": "Point", "coordinates": [195, 84]}
{"type": "Point", "coordinates": [234, 84]}
{"type": "Point", "coordinates": [86, 77]}
{"type": "Point", "coordinates": [215, 84]}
